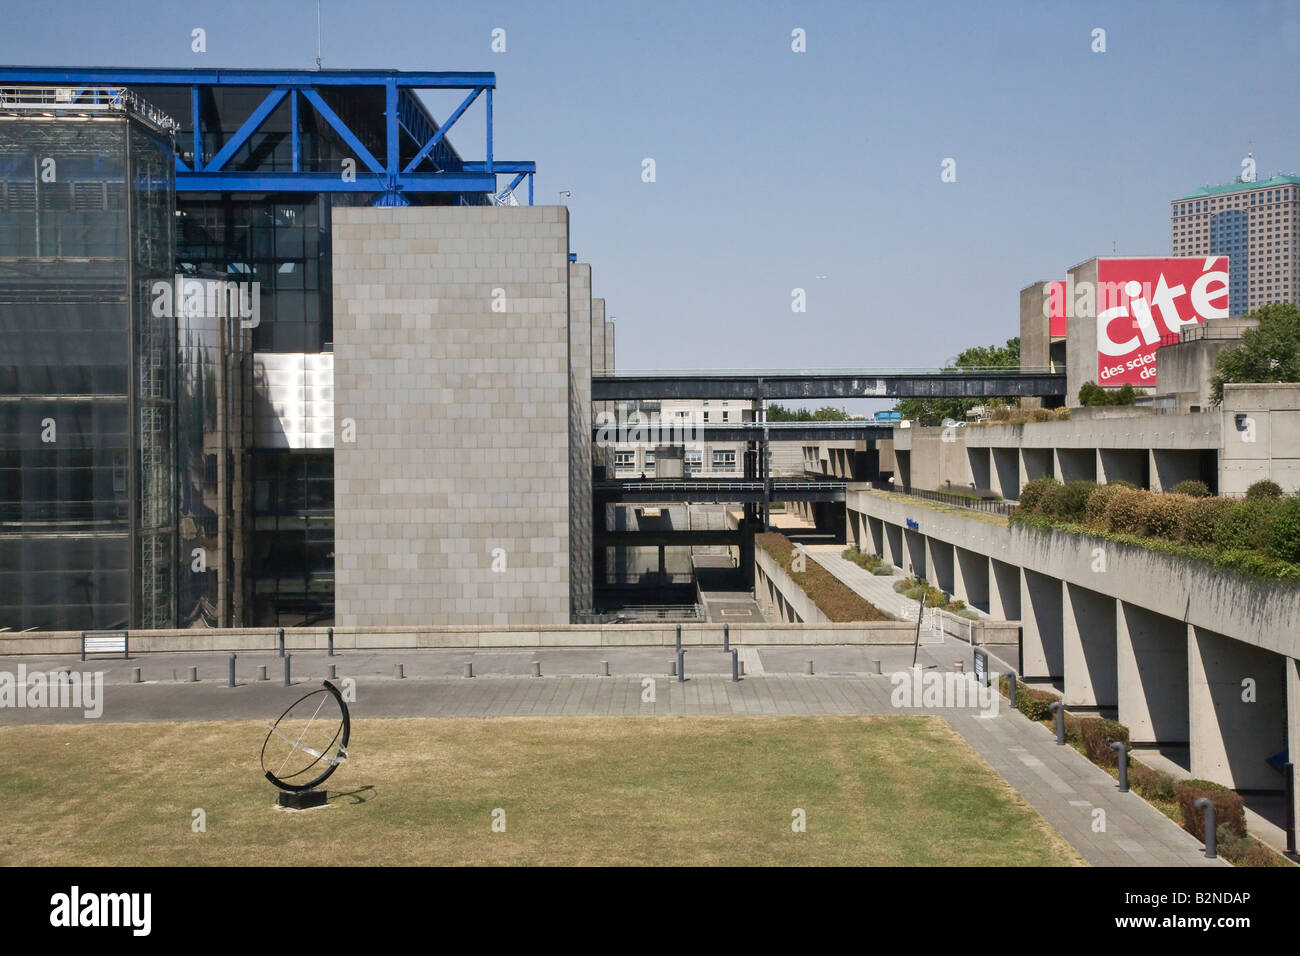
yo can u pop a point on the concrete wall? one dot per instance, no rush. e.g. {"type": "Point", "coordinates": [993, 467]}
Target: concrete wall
{"type": "Point", "coordinates": [1081, 336]}
{"type": "Point", "coordinates": [1035, 337]}
{"type": "Point", "coordinates": [460, 401]}
{"type": "Point", "coordinates": [379, 638]}
{"type": "Point", "coordinates": [1163, 643]}
{"type": "Point", "coordinates": [580, 494]}
{"type": "Point", "coordinates": [1267, 445]}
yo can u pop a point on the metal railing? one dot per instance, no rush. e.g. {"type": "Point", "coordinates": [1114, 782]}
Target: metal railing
{"type": "Point", "coordinates": [49, 100]}
{"type": "Point", "coordinates": [987, 505]}
{"type": "Point", "coordinates": [648, 613]}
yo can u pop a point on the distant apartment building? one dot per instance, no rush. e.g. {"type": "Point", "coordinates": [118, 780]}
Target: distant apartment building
{"type": "Point", "coordinates": [671, 419]}
{"type": "Point", "coordinates": [1256, 225]}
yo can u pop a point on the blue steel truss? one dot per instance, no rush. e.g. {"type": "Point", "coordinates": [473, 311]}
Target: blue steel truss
{"type": "Point", "coordinates": [436, 167]}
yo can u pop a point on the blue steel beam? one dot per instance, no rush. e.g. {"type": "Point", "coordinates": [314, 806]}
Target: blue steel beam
{"type": "Point", "coordinates": [333, 182]}
{"type": "Point", "coordinates": [109, 76]}
{"type": "Point", "coordinates": [250, 126]}
{"type": "Point", "coordinates": [341, 128]}
{"type": "Point", "coordinates": [502, 166]}
{"type": "Point", "coordinates": [442, 130]}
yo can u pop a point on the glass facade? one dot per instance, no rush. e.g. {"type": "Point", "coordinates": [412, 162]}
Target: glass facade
{"type": "Point", "coordinates": [86, 442]}
{"type": "Point", "coordinates": [292, 548]}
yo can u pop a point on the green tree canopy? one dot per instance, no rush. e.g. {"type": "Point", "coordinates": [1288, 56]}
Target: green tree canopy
{"type": "Point", "coordinates": [1269, 353]}
{"type": "Point", "coordinates": [779, 413]}
{"type": "Point", "coordinates": [932, 411]}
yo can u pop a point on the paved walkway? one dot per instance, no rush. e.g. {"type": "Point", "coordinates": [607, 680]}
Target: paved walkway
{"type": "Point", "coordinates": [1060, 783]}
{"type": "Point", "coordinates": [879, 590]}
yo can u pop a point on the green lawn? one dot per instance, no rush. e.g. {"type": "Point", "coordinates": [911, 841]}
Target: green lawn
{"type": "Point", "coordinates": [655, 791]}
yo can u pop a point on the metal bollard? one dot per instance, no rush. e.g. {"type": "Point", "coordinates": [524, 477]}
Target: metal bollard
{"type": "Point", "coordinates": [1206, 805]}
{"type": "Point", "coordinates": [537, 668]}
{"type": "Point", "coordinates": [1011, 690]}
{"type": "Point", "coordinates": [399, 671]}
{"type": "Point", "coordinates": [679, 638]}
{"type": "Point", "coordinates": [329, 636]}
{"type": "Point", "coordinates": [809, 668]}
{"type": "Point", "coordinates": [469, 668]}
{"type": "Point", "coordinates": [232, 671]}
{"type": "Point", "coordinates": [333, 672]}
{"type": "Point", "coordinates": [735, 666]}
{"type": "Point", "coordinates": [875, 667]}
{"type": "Point", "coordinates": [1059, 710]}
{"type": "Point", "coordinates": [1121, 755]}
{"type": "Point", "coordinates": [261, 672]}
{"type": "Point", "coordinates": [681, 665]}
{"type": "Point", "coordinates": [135, 675]}
{"type": "Point", "coordinates": [288, 661]}
{"type": "Point", "coordinates": [742, 668]}
{"type": "Point", "coordinates": [194, 675]}
{"type": "Point", "coordinates": [604, 668]}
{"type": "Point", "coordinates": [279, 633]}
{"type": "Point", "coordinates": [726, 638]}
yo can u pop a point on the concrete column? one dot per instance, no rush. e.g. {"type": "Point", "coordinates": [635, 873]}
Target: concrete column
{"type": "Point", "coordinates": [941, 565]}
{"type": "Point", "coordinates": [1231, 737]}
{"type": "Point", "coordinates": [1004, 590]}
{"type": "Point", "coordinates": [1293, 721]}
{"type": "Point", "coordinates": [916, 552]}
{"type": "Point", "coordinates": [1006, 472]}
{"type": "Point", "coordinates": [1089, 641]}
{"type": "Point", "coordinates": [971, 578]}
{"type": "Point", "coordinates": [897, 551]}
{"type": "Point", "coordinates": [1152, 675]}
{"type": "Point", "coordinates": [1041, 621]}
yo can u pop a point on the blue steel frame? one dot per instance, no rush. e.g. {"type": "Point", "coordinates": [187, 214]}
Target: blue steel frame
{"type": "Point", "coordinates": [403, 113]}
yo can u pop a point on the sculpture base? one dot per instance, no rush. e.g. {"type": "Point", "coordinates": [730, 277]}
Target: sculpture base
{"type": "Point", "coordinates": [302, 800]}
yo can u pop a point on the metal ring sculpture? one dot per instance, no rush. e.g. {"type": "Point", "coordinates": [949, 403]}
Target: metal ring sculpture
{"type": "Point", "coordinates": [305, 752]}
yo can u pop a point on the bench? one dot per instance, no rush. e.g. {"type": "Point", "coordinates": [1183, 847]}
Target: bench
{"type": "Point", "coordinates": [103, 642]}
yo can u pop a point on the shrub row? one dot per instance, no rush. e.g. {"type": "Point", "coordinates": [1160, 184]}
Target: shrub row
{"type": "Point", "coordinates": [1263, 522]}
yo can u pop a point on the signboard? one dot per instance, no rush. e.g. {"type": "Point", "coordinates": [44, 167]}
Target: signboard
{"type": "Point", "coordinates": [1140, 301]}
{"type": "Point", "coordinates": [981, 667]}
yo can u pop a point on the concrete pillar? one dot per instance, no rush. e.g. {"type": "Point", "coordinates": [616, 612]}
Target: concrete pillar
{"type": "Point", "coordinates": [916, 552]}
{"type": "Point", "coordinates": [1293, 722]}
{"type": "Point", "coordinates": [1089, 640]}
{"type": "Point", "coordinates": [941, 563]}
{"type": "Point", "coordinates": [1231, 737]}
{"type": "Point", "coordinates": [1040, 615]}
{"type": "Point", "coordinates": [1004, 590]}
{"type": "Point", "coordinates": [876, 535]}
{"type": "Point", "coordinates": [1006, 472]}
{"type": "Point", "coordinates": [971, 578]}
{"type": "Point", "coordinates": [1152, 675]}
{"type": "Point", "coordinates": [894, 540]}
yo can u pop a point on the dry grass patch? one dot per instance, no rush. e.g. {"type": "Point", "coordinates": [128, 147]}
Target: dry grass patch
{"type": "Point", "coordinates": [576, 791]}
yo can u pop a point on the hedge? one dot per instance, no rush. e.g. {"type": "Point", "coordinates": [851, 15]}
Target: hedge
{"type": "Point", "coordinates": [1098, 734]}
{"type": "Point", "coordinates": [1282, 534]}
{"type": "Point", "coordinates": [1243, 525]}
{"type": "Point", "coordinates": [1229, 808]}
{"type": "Point", "coordinates": [1122, 510]}
{"type": "Point", "coordinates": [1161, 516]}
{"type": "Point", "coordinates": [1264, 489]}
{"type": "Point", "coordinates": [1032, 493]}
{"type": "Point", "coordinates": [1200, 520]}
{"type": "Point", "coordinates": [1197, 489]}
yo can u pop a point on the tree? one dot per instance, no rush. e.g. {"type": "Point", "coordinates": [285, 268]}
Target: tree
{"type": "Point", "coordinates": [932, 411]}
{"type": "Point", "coordinates": [1268, 353]}
{"type": "Point", "coordinates": [779, 413]}
{"type": "Point", "coordinates": [1090, 393]}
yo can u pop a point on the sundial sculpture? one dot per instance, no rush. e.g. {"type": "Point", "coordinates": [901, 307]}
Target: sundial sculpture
{"type": "Point", "coordinates": [305, 745]}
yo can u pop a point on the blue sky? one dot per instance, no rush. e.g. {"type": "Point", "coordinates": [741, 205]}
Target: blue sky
{"type": "Point", "coordinates": [774, 168]}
